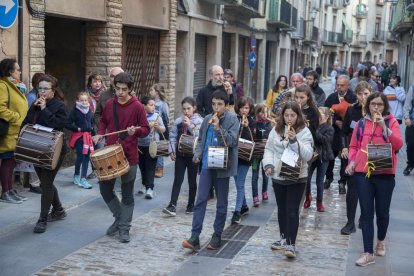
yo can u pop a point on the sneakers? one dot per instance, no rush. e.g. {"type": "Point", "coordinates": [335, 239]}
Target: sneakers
{"type": "Point", "coordinates": [19, 196]}
{"type": "Point", "coordinates": [256, 201]}
{"type": "Point", "coordinates": [143, 190]}
{"type": "Point", "coordinates": [189, 210]}
{"type": "Point", "coordinates": [265, 196]}
{"type": "Point", "coordinates": [236, 219]}
{"type": "Point", "coordinates": [85, 184]}
{"type": "Point", "coordinates": [56, 215]}
{"type": "Point", "coordinates": [365, 259]}
{"type": "Point", "coordinates": [8, 198]}
{"type": "Point", "coordinates": [77, 180]}
{"type": "Point", "coordinates": [149, 194]}
{"type": "Point", "coordinates": [244, 210]}
{"type": "Point", "coordinates": [319, 206]}
{"type": "Point", "coordinates": [192, 243]}
{"type": "Point", "coordinates": [92, 175]}
{"type": "Point", "coordinates": [327, 183]}
{"type": "Point", "coordinates": [215, 242]}
{"type": "Point", "coordinates": [308, 201]}
{"type": "Point", "coordinates": [40, 226]}
{"type": "Point", "coordinates": [36, 190]}
{"type": "Point", "coordinates": [279, 245]}
{"type": "Point", "coordinates": [380, 248]}
{"type": "Point", "coordinates": [170, 210]}
{"type": "Point", "coordinates": [113, 228]}
{"type": "Point", "coordinates": [159, 172]}
{"type": "Point", "coordinates": [342, 188]}
{"type": "Point", "coordinates": [348, 229]}
{"type": "Point", "coordinates": [14, 196]}
{"type": "Point", "coordinates": [408, 170]}
{"type": "Point", "coordinates": [290, 251]}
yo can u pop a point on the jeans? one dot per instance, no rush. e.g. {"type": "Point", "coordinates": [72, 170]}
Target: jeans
{"type": "Point", "coordinates": [329, 170]}
{"type": "Point", "coordinates": [127, 187]}
{"type": "Point", "coordinates": [147, 167]}
{"type": "Point", "coordinates": [208, 178]}
{"type": "Point", "coordinates": [409, 140]}
{"type": "Point", "coordinates": [351, 199]}
{"type": "Point", "coordinates": [50, 195]}
{"type": "Point", "coordinates": [255, 179]}
{"type": "Point", "coordinates": [181, 164]}
{"type": "Point", "coordinates": [320, 175]}
{"type": "Point", "coordinates": [81, 159]}
{"type": "Point", "coordinates": [239, 180]}
{"type": "Point", "coordinates": [160, 163]}
{"type": "Point", "coordinates": [288, 199]}
{"type": "Point", "coordinates": [375, 195]}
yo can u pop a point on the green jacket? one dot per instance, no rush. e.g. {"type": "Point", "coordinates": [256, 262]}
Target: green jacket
{"type": "Point", "coordinates": [15, 114]}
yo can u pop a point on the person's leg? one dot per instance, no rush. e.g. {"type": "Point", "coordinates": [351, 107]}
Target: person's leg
{"type": "Point", "coordinates": [79, 156]}
{"type": "Point", "coordinates": [312, 167]}
{"type": "Point", "coordinates": [320, 174]}
{"type": "Point", "coordinates": [222, 191]}
{"type": "Point", "coordinates": [179, 171]}
{"type": "Point", "coordinates": [384, 187]}
{"type": "Point", "coordinates": [294, 194]}
{"type": "Point", "coordinates": [409, 140]}
{"type": "Point", "coordinates": [127, 203]}
{"type": "Point", "coordinates": [85, 164]}
{"type": "Point", "coordinates": [351, 200]}
{"type": "Point", "coordinates": [6, 174]}
{"type": "Point", "coordinates": [206, 181]}
{"type": "Point", "coordinates": [150, 164]}
{"type": "Point", "coordinates": [142, 165]}
{"type": "Point", "coordinates": [265, 180]}
{"type": "Point", "coordinates": [255, 180]}
{"type": "Point", "coordinates": [192, 180]}
{"type": "Point", "coordinates": [242, 171]}
{"type": "Point", "coordinates": [329, 170]}
{"type": "Point", "coordinates": [280, 194]}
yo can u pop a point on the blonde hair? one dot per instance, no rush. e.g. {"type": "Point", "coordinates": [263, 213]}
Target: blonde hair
{"type": "Point", "coordinates": [160, 90]}
{"type": "Point", "coordinates": [327, 112]}
{"type": "Point", "coordinates": [82, 93]}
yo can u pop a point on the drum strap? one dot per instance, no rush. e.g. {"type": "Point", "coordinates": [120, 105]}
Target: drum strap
{"type": "Point", "coordinates": [123, 135]}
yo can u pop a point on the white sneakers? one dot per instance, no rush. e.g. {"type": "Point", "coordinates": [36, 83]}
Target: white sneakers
{"type": "Point", "coordinates": [149, 194]}
{"type": "Point", "coordinates": [365, 259]}
{"type": "Point", "coordinates": [380, 248]}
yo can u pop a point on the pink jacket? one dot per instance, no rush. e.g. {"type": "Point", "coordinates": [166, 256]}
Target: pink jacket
{"type": "Point", "coordinates": [358, 149]}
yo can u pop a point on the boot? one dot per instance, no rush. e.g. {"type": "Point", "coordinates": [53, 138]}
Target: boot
{"type": "Point", "coordinates": [319, 206]}
{"type": "Point", "coordinates": [125, 221]}
{"type": "Point", "coordinates": [159, 172]}
{"type": "Point", "coordinates": [308, 201]}
{"type": "Point", "coordinates": [114, 206]}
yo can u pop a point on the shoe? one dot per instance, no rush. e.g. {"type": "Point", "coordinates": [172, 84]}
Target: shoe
{"type": "Point", "coordinates": [365, 259]}
{"type": "Point", "coordinates": [159, 172]}
{"type": "Point", "coordinates": [143, 190]}
{"type": "Point", "coordinates": [170, 210]}
{"type": "Point", "coordinates": [348, 229]}
{"type": "Point", "coordinates": [92, 175]}
{"type": "Point", "coordinates": [77, 180]}
{"type": "Point", "coordinates": [40, 226]}
{"type": "Point", "coordinates": [192, 243]}
{"type": "Point", "coordinates": [327, 183]}
{"type": "Point", "coordinates": [56, 215]}
{"type": "Point", "coordinates": [290, 251]}
{"type": "Point", "coordinates": [244, 210]}
{"type": "Point", "coordinates": [124, 236]}
{"type": "Point", "coordinates": [9, 198]}
{"type": "Point", "coordinates": [36, 190]}
{"type": "Point", "coordinates": [308, 201]}
{"type": "Point", "coordinates": [149, 194]}
{"type": "Point", "coordinates": [113, 229]}
{"type": "Point", "coordinates": [265, 196]}
{"type": "Point", "coordinates": [215, 242]}
{"type": "Point", "coordinates": [17, 195]}
{"type": "Point", "coordinates": [380, 249]}
{"type": "Point", "coordinates": [190, 209]}
{"type": "Point", "coordinates": [279, 245]}
{"type": "Point", "coordinates": [342, 188]}
{"type": "Point", "coordinates": [408, 170]}
{"type": "Point", "coordinates": [115, 206]}
{"type": "Point", "coordinates": [319, 206]}
{"type": "Point", "coordinates": [256, 201]}
{"type": "Point", "coordinates": [85, 184]}
{"type": "Point", "coordinates": [236, 219]}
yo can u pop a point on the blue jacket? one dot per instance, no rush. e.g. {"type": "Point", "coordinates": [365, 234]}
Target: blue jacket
{"type": "Point", "coordinates": [77, 120]}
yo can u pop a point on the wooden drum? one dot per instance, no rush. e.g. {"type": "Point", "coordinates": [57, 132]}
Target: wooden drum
{"type": "Point", "coordinates": [187, 144]}
{"type": "Point", "coordinates": [110, 162]}
{"type": "Point", "coordinates": [159, 148]}
{"type": "Point", "coordinates": [259, 148]}
{"type": "Point", "coordinates": [217, 157]}
{"type": "Point", "coordinates": [246, 149]}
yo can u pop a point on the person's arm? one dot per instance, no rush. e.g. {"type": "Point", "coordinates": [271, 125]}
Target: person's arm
{"type": "Point", "coordinates": [5, 113]}
{"type": "Point", "coordinates": [231, 134]}
{"type": "Point", "coordinates": [161, 126]}
{"type": "Point", "coordinates": [268, 162]}
{"type": "Point", "coordinates": [394, 135]}
{"type": "Point", "coordinates": [408, 106]}
{"type": "Point", "coordinates": [142, 121]}
{"type": "Point", "coordinates": [303, 145]}
{"type": "Point", "coordinates": [326, 136]}
{"type": "Point", "coordinates": [70, 122]}
{"type": "Point", "coordinates": [199, 148]}
{"type": "Point", "coordinates": [173, 136]}
{"type": "Point", "coordinates": [55, 120]}
{"type": "Point", "coordinates": [269, 98]}
{"type": "Point", "coordinates": [400, 93]}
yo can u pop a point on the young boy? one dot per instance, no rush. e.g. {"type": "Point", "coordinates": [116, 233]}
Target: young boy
{"type": "Point", "coordinates": [224, 124]}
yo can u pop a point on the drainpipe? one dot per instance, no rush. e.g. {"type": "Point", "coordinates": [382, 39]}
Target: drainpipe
{"type": "Point", "coordinates": [20, 37]}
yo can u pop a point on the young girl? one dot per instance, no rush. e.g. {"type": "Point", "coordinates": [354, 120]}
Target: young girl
{"type": "Point", "coordinates": [80, 122]}
{"type": "Point", "coordinates": [95, 87]}
{"type": "Point", "coordinates": [161, 107]}
{"type": "Point", "coordinates": [146, 162]}
{"type": "Point", "coordinates": [189, 123]}
{"type": "Point", "coordinates": [290, 133]}
{"type": "Point", "coordinates": [263, 128]}
{"type": "Point", "coordinates": [323, 140]}
{"type": "Point", "coordinates": [244, 108]}
{"type": "Point", "coordinates": [280, 85]}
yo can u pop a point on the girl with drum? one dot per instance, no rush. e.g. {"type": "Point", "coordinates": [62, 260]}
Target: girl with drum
{"type": "Point", "coordinates": [290, 141]}
{"type": "Point", "coordinates": [49, 110]}
{"type": "Point", "coordinates": [146, 163]}
{"type": "Point", "coordinates": [244, 109]}
{"type": "Point", "coordinates": [183, 139]}
{"type": "Point", "coordinates": [80, 122]}
{"type": "Point", "coordinates": [374, 186]}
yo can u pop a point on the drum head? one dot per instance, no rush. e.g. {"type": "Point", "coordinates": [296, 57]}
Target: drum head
{"type": "Point", "coordinates": [153, 149]}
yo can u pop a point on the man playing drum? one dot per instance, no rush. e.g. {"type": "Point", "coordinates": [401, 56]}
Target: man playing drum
{"type": "Point", "coordinates": [123, 112]}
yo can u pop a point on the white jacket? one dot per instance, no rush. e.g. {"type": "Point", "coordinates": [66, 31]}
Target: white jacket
{"type": "Point", "coordinates": [276, 145]}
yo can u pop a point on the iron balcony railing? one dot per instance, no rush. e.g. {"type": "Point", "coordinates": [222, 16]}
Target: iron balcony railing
{"type": "Point", "coordinates": [311, 31]}
{"type": "Point", "coordinates": [379, 36]}
{"type": "Point", "coordinates": [361, 11]}
{"type": "Point", "coordinates": [282, 15]}
{"type": "Point", "coordinates": [332, 37]}
{"type": "Point", "coordinates": [360, 40]}
{"type": "Point", "coordinates": [254, 4]}
{"type": "Point", "coordinates": [300, 29]}
{"type": "Point", "coordinates": [286, 12]}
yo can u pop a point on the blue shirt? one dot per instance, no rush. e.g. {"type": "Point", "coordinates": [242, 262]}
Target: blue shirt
{"type": "Point", "coordinates": [211, 140]}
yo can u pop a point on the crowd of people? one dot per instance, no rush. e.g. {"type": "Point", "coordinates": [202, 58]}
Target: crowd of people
{"type": "Point", "coordinates": [222, 134]}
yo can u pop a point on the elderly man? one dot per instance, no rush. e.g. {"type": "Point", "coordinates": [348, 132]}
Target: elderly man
{"type": "Point", "coordinates": [339, 102]}
{"type": "Point", "coordinates": [363, 75]}
{"type": "Point", "coordinates": [216, 82]}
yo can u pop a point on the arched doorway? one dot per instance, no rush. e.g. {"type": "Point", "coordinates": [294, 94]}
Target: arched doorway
{"type": "Point", "coordinates": [368, 56]}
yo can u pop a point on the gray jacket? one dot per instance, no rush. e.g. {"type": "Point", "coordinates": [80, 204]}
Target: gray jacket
{"type": "Point", "coordinates": [229, 126]}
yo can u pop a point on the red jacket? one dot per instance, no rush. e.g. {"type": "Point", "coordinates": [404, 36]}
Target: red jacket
{"type": "Point", "coordinates": [357, 150]}
{"type": "Point", "coordinates": [129, 114]}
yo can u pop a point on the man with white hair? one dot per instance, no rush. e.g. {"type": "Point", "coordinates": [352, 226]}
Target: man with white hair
{"type": "Point", "coordinates": [295, 80]}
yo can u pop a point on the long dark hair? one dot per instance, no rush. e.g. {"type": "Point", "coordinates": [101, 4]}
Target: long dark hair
{"type": "Point", "coordinates": [55, 85]}
{"type": "Point", "coordinates": [276, 87]}
{"type": "Point", "coordinates": [383, 98]}
{"type": "Point", "coordinates": [300, 121]}
{"type": "Point", "coordinates": [242, 101]}
{"type": "Point", "coordinates": [311, 101]}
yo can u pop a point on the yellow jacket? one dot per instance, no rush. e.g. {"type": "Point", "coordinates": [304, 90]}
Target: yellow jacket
{"type": "Point", "coordinates": [271, 97]}
{"type": "Point", "coordinates": [15, 114]}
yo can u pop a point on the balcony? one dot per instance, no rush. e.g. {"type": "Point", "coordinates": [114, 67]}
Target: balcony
{"type": "Point", "coordinates": [359, 41]}
{"type": "Point", "coordinates": [282, 20]}
{"type": "Point", "coordinates": [311, 33]}
{"type": "Point", "coordinates": [247, 8]}
{"type": "Point", "coordinates": [402, 19]}
{"type": "Point", "coordinates": [347, 36]}
{"type": "Point", "coordinates": [391, 37]}
{"type": "Point", "coordinates": [300, 30]}
{"type": "Point", "coordinates": [222, 2]}
{"type": "Point", "coordinates": [361, 11]}
{"type": "Point", "coordinates": [335, 4]}
{"type": "Point", "coordinates": [379, 37]}
{"type": "Point", "coordinates": [380, 2]}
{"type": "Point", "coordinates": [332, 38]}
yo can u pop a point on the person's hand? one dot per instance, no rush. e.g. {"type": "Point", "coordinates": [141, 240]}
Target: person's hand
{"type": "Point", "coordinates": [291, 134]}
{"type": "Point", "coordinates": [269, 171]}
{"type": "Point", "coordinates": [408, 122]}
{"type": "Point", "coordinates": [187, 121]}
{"type": "Point", "coordinates": [380, 120]}
{"type": "Point", "coordinates": [245, 122]}
{"type": "Point", "coordinates": [97, 138]}
{"type": "Point", "coordinates": [197, 160]}
{"type": "Point", "coordinates": [350, 169]}
{"type": "Point", "coordinates": [227, 87]}
{"type": "Point", "coordinates": [131, 130]}
{"type": "Point", "coordinates": [216, 122]}
{"type": "Point", "coordinates": [338, 123]}
{"type": "Point", "coordinates": [173, 157]}
{"type": "Point", "coordinates": [41, 102]}
{"type": "Point", "coordinates": [344, 153]}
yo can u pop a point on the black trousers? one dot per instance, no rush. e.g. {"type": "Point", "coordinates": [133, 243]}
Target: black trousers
{"type": "Point", "coordinates": [147, 167]}
{"type": "Point", "coordinates": [181, 164]}
{"type": "Point", "coordinates": [409, 140]}
{"type": "Point", "coordinates": [351, 199]}
{"type": "Point", "coordinates": [342, 175]}
{"type": "Point", "coordinates": [50, 195]}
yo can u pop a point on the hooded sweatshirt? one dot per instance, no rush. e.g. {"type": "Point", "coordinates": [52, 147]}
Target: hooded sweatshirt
{"type": "Point", "coordinates": [396, 98]}
{"type": "Point", "coordinates": [178, 129]}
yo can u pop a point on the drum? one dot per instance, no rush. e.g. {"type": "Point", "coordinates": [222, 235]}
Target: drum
{"type": "Point", "coordinates": [246, 148]}
{"type": "Point", "coordinates": [290, 173]}
{"type": "Point", "coordinates": [187, 144]}
{"type": "Point", "coordinates": [259, 148]}
{"type": "Point", "coordinates": [159, 148]}
{"type": "Point", "coordinates": [109, 162]}
{"type": "Point", "coordinates": [217, 157]}
{"type": "Point", "coordinates": [40, 146]}
{"type": "Point", "coordinates": [380, 156]}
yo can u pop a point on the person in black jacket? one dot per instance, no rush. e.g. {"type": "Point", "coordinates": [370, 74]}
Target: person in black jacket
{"type": "Point", "coordinates": [342, 97]}
{"type": "Point", "coordinates": [312, 79]}
{"type": "Point", "coordinates": [49, 110]}
{"type": "Point", "coordinates": [353, 114]}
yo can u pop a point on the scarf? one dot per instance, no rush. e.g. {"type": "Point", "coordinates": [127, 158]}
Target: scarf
{"type": "Point", "coordinates": [82, 108]}
{"type": "Point", "coordinates": [19, 84]}
{"type": "Point", "coordinates": [97, 93]}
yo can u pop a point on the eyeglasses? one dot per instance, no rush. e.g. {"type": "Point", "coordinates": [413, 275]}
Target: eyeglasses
{"type": "Point", "coordinates": [43, 88]}
{"type": "Point", "coordinates": [377, 76]}
{"type": "Point", "coordinates": [376, 104]}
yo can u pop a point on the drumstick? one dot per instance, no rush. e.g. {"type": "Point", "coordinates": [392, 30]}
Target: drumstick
{"type": "Point", "coordinates": [117, 132]}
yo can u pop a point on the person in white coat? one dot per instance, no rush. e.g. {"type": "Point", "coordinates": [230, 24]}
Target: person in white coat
{"type": "Point", "coordinates": [396, 97]}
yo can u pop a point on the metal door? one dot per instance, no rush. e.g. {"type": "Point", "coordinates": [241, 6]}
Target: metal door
{"type": "Point", "coordinates": [200, 63]}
